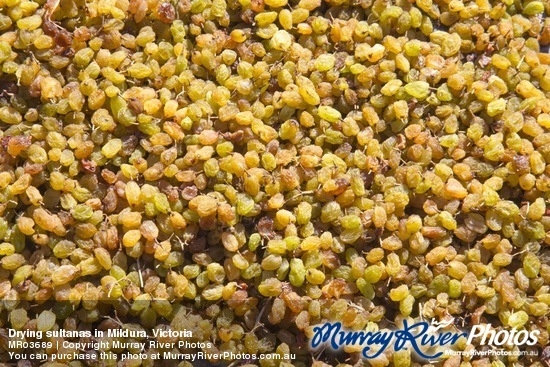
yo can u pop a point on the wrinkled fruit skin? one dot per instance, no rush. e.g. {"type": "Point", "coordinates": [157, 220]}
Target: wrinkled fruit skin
{"type": "Point", "coordinates": [246, 170]}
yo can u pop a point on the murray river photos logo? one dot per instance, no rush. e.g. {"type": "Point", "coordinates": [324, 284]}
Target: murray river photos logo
{"type": "Point", "coordinates": [427, 340]}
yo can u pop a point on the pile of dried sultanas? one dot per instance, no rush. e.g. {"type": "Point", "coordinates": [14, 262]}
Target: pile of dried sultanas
{"type": "Point", "coordinates": [247, 169]}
